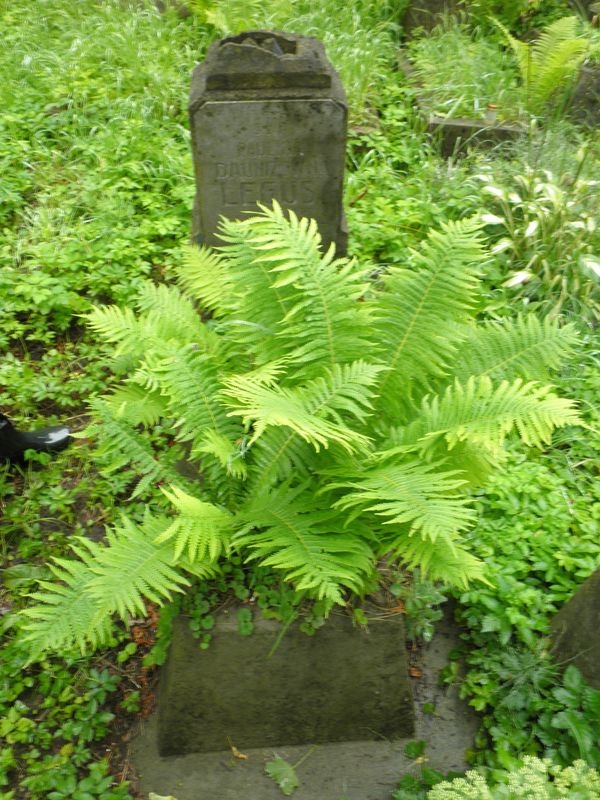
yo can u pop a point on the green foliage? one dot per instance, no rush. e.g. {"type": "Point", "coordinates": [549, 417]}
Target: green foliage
{"type": "Point", "coordinates": [537, 531]}
{"type": "Point", "coordinates": [421, 600]}
{"type": "Point", "coordinates": [283, 774]}
{"type": "Point", "coordinates": [51, 718]}
{"type": "Point", "coordinates": [94, 147]}
{"type": "Point", "coordinates": [549, 64]}
{"type": "Point", "coordinates": [546, 241]}
{"type": "Point", "coordinates": [332, 487]}
{"type": "Point", "coordinates": [535, 778]}
{"type": "Point", "coordinates": [96, 196]}
{"type": "Point", "coordinates": [517, 15]}
{"type": "Point", "coordinates": [463, 71]}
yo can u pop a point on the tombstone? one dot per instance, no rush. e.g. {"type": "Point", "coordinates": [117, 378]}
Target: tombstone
{"type": "Point", "coordinates": [341, 684]}
{"type": "Point", "coordinates": [268, 117]}
{"type": "Point", "coordinates": [576, 631]}
{"type": "Point", "coordinates": [585, 101]}
{"type": "Point", "coordinates": [426, 14]}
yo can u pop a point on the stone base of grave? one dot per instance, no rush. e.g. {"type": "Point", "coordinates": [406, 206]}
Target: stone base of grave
{"type": "Point", "coordinates": [460, 132]}
{"type": "Point", "coordinates": [454, 134]}
{"type": "Point", "coordinates": [426, 13]}
{"type": "Point", "coordinates": [358, 770]}
{"type": "Point", "coordinates": [576, 631]}
{"type": "Point", "coordinates": [341, 684]}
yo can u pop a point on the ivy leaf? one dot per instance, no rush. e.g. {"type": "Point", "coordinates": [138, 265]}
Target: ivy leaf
{"type": "Point", "coordinates": [283, 774]}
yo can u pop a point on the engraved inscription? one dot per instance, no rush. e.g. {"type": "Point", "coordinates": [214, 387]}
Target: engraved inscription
{"type": "Point", "coordinates": [259, 151]}
{"type": "Point", "coordinates": [244, 194]}
{"type": "Point", "coordinates": [267, 168]}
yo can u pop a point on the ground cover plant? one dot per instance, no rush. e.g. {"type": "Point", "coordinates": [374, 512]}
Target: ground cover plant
{"type": "Point", "coordinates": [463, 70]}
{"type": "Point", "coordinates": [96, 197]}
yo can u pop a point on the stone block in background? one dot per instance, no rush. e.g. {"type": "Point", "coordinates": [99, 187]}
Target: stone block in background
{"type": "Point", "coordinates": [342, 684]}
{"type": "Point", "coordinates": [426, 13]}
{"type": "Point", "coordinates": [268, 118]}
{"type": "Point", "coordinates": [576, 631]}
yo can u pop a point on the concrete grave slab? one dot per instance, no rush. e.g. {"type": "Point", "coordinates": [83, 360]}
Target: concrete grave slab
{"type": "Point", "coordinates": [351, 770]}
{"type": "Point", "coordinates": [341, 684]}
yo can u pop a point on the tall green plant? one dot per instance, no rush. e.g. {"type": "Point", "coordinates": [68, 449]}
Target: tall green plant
{"type": "Point", "coordinates": [550, 63]}
{"type": "Point", "coordinates": [335, 420]}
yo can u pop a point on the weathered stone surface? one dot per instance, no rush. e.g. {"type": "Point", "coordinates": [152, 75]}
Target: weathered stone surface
{"type": "Point", "coordinates": [341, 684]}
{"type": "Point", "coordinates": [585, 103]}
{"type": "Point", "coordinates": [576, 631]}
{"type": "Point", "coordinates": [268, 119]}
{"type": "Point", "coordinates": [426, 13]}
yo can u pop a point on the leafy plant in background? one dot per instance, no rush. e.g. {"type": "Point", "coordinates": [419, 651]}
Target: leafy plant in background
{"type": "Point", "coordinates": [461, 72]}
{"type": "Point", "coordinates": [549, 64]}
{"type": "Point", "coordinates": [94, 150]}
{"type": "Point", "coordinates": [535, 778]}
{"type": "Point", "coordinates": [538, 532]}
{"type": "Point", "coordinates": [49, 722]}
{"type": "Point", "coordinates": [548, 242]}
{"type": "Point", "coordinates": [517, 15]}
{"type": "Point", "coordinates": [421, 600]}
{"type": "Point", "coordinates": [337, 459]}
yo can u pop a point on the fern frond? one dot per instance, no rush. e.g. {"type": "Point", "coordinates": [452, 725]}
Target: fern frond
{"type": "Point", "coordinates": [520, 49]}
{"type": "Point", "coordinates": [483, 414]}
{"type": "Point", "coordinates": [189, 379]}
{"type": "Point", "coordinates": [206, 277]}
{"type": "Point", "coordinates": [201, 528]}
{"type": "Point", "coordinates": [169, 314]}
{"type": "Point", "coordinates": [550, 62]}
{"type": "Point", "coordinates": [168, 317]}
{"type": "Point", "coordinates": [554, 37]}
{"type": "Point", "coordinates": [125, 445]}
{"type": "Point", "coordinates": [322, 320]}
{"type": "Point", "coordinates": [134, 566]}
{"type": "Point", "coordinates": [66, 616]}
{"type": "Point", "coordinates": [286, 529]}
{"type": "Point", "coordinates": [426, 496]}
{"type": "Point", "coordinates": [343, 389]}
{"type": "Point", "coordinates": [228, 454]}
{"type": "Point", "coordinates": [307, 409]}
{"type": "Point", "coordinates": [556, 73]}
{"type": "Point", "coordinates": [527, 348]}
{"type": "Point", "coordinates": [443, 560]}
{"type": "Point", "coordinates": [420, 307]}
{"type": "Point", "coordinates": [119, 327]}
{"type": "Point", "coordinates": [259, 306]}
{"type": "Point", "coordinates": [136, 405]}
{"type": "Point", "coordinates": [279, 455]}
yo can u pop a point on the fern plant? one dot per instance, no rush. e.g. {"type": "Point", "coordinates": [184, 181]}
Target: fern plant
{"type": "Point", "coordinates": [550, 63]}
{"type": "Point", "coordinates": [334, 419]}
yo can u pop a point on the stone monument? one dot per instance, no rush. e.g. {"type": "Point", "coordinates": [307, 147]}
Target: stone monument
{"type": "Point", "coordinates": [268, 119]}
{"type": "Point", "coordinates": [342, 684]}
{"type": "Point", "coordinates": [576, 631]}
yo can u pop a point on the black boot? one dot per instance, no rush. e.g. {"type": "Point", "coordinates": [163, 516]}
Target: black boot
{"type": "Point", "coordinates": [13, 443]}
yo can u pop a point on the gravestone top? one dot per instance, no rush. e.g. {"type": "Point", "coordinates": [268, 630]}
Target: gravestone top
{"type": "Point", "coordinates": [267, 60]}
{"type": "Point", "coordinates": [268, 120]}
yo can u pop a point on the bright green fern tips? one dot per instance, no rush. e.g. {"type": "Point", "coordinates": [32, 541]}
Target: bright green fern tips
{"type": "Point", "coordinates": [319, 421]}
